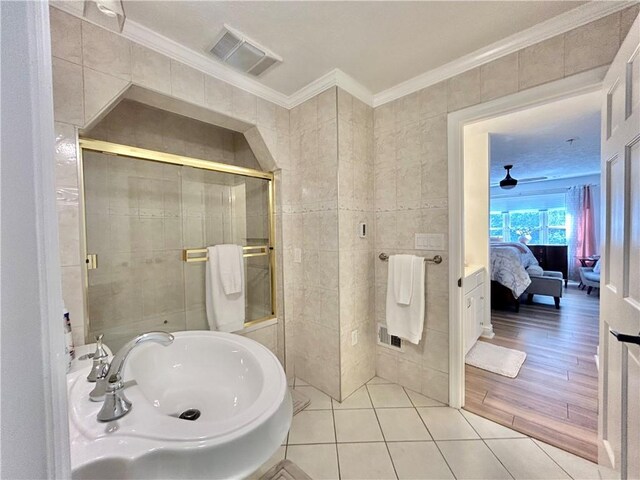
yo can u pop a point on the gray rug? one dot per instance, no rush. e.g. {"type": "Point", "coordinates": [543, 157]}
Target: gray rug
{"type": "Point", "coordinates": [285, 470]}
{"type": "Point", "coordinates": [300, 401]}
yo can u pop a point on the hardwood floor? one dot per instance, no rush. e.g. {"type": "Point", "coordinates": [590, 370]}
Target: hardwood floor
{"type": "Point", "coordinates": [554, 398]}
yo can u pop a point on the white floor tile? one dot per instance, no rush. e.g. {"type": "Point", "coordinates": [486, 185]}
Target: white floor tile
{"type": "Point", "coordinates": [314, 426]}
{"type": "Point", "coordinates": [525, 460]}
{"type": "Point", "coordinates": [488, 429]}
{"type": "Point", "coordinates": [275, 458]}
{"type": "Point", "coordinates": [400, 424]}
{"type": "Point", "coordinates": [577, 467]}
{"type": "Point", "coordinates": [472, 459]}
{"type": "Point", "coordinates": [320, 462]}
{"type": "Point", "coordinates": [378, 381]}
{"type": "Point", "coordinates": [446, 423]}
{"type": "Point", "coordinates": [391, 395]}
{"type": "Point", "coordinates": [319, 400]}
{"type": "Point", "coordinates": [357, 426]}
{"type": "Point", "coordinates": [358, 399]}
{"type": "Point", "coordinates": [419, 461]}
{"type": "Point", "coordinates": [362, 461]}
{"type": "Point", "coordinates": [299, 382]}
{"type": "Point", "coordinates": [420, 400]}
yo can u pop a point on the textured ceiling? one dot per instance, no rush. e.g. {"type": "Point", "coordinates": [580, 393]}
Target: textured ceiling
{"type": "Point", "coordinates": [380, 44]}
{"type": "Point", "coordinates": [534, 141]}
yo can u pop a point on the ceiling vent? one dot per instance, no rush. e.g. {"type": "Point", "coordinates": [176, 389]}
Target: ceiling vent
{"type": "Point", "coordinates": [242, 53]}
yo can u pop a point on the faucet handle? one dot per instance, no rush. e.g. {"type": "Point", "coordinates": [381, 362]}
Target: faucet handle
{"type": "Point", "coordinates": [98, 392]}
{"type": "Point", "coordinates": [99, 360]}
{"type": "Point", "coordinates": [100, 351]}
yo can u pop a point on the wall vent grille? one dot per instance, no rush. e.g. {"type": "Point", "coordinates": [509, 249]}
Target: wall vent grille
{"type": "Point", "coordinates": [389, 341]}
{"type": "Point", "coordinates": [240, 52]}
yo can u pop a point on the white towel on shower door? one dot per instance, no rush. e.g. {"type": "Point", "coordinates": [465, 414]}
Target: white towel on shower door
{"type": "Point", "coordinates": [225, 312]}
{"type": "Point", "coordinates": [406, 321]}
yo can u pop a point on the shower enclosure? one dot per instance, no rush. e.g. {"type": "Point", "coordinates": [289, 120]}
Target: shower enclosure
{"type": "Point", "coordinates": [149, 217]}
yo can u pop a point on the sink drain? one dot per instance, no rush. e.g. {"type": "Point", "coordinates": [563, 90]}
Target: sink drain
{"type": "Point", "coordinates": [190, 414]}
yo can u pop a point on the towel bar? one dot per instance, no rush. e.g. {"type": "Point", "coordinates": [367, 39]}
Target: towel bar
{"type": "Point", "coordinates": [200, 254]}
{"type": "Point", "coordinates": [436, 259]}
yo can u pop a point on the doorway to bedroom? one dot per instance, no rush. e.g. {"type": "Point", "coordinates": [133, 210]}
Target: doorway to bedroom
{"type": "Point", "coordinates": [531, 286]}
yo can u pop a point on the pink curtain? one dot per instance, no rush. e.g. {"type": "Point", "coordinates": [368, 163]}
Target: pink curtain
{"type": "Point", "coordinates": [581, 236]}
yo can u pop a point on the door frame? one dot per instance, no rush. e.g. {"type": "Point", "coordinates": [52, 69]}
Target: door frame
{"type": "Point", "coordinates": [578, 84]}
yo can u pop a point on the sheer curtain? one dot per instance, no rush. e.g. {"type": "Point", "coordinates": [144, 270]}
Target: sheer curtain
{"type": "Point", "coordinates": [581, 231]}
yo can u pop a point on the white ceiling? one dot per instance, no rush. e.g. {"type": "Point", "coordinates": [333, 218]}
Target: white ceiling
{"type": "Point", "coordinates": [534, 141]}
{"type": "Point", "coordinates": [379, 44]}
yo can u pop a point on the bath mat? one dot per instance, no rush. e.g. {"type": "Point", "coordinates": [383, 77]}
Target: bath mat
{"type": "Point", "coordinates": [285, 470]}
{"type": "Point", "coordinates": [500, 360]}
{"type": "Point", "coordinates": [300, 401]}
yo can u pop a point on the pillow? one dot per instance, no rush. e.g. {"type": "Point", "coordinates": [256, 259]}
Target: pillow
{"type": "Point", "coordinates": [596, 267]}
{"type": "Point", "coordinates": [535, 270]}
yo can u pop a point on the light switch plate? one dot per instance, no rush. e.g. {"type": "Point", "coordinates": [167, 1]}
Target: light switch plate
{"type": "Point", "coordinates": [297, 255]}
{"type": "Point", "coordinates": [429, 241]}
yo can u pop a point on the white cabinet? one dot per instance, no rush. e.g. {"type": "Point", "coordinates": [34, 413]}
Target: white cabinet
{"type": "Point", "coordinates": [474, 306]}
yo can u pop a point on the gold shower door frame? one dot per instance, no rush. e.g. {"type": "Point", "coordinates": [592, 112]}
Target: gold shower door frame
{"type": "Point", "coordinates": [116, 149]}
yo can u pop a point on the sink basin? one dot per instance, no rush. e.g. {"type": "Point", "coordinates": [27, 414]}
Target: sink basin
{"type": "Point", "coordinates": [237, 387]}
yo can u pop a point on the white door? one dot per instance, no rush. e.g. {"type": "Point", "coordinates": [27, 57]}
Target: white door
{"type": "Point", "coordinates": [619, 402]}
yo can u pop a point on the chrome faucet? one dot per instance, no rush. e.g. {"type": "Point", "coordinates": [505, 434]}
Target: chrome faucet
{"type": "Point", "coordinates": [109, 386]}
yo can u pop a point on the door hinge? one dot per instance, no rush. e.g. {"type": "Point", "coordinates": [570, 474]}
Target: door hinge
{"type": "Point", "coordinates": [91, 261]}
{"type": "Point", "coordinates": [460, 282]}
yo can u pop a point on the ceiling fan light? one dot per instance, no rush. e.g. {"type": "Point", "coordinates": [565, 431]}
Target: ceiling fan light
{"type": "Point", "coordinates": [508, 182]}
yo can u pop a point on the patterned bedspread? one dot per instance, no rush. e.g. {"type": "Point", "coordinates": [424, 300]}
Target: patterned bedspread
{"type": "Point", "coordinates": [507, 269]}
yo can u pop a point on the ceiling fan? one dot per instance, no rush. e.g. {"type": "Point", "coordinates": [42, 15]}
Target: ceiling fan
{"type": "Point", "coordinates": [508, 182]}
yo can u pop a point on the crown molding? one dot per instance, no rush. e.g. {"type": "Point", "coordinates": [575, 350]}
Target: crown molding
{"type": "Point", "coordinates": [334, 78]}
{"type": "Point", "coordinates": [555, 26]}
{"type": "Point", "coordinates": [562, 23]}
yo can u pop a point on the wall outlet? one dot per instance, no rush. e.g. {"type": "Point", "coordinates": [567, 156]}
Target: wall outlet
{"type": "Point", "coordinates": [354, 338]}
{"type": "Point", "coordinates": [297, 255]}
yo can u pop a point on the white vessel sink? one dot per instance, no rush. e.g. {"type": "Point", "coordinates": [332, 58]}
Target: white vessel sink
{"type": "Point", "coordinates": [237, 385]}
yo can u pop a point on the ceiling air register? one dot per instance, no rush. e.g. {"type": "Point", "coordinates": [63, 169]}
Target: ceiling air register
{"type": "Point", "coordinates": [242, 53]}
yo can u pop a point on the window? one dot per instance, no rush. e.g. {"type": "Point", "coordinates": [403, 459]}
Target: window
{"type": "Point", "coordinates": [546, 227]}
{"type": "Point", "coordinates": [556, 226]}
{"type": "Point", "coordinates": [496, 224]}
{"type": "Point", "coordinates": [525, 223]}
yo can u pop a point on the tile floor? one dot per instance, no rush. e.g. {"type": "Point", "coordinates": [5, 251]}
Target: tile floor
{"type": "Point", "coordinates": [384, 431]}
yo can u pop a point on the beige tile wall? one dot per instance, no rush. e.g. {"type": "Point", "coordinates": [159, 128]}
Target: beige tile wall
{"type": "Point", "coordinates": [411, 143]}
{"type": "Point", "coordinates": [311, 213]}
{"type": "Point", "coordinates": [356, 255]}
{"type": "Point", "coordinates": [92, 67]}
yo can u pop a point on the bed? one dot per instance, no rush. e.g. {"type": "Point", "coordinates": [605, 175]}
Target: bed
{"type": "Point", "coordinates": [510, 264]}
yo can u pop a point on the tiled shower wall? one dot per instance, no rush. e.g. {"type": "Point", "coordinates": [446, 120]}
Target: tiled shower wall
{"type": "Point", "coordinates": [91, 68]}
{"type": "Point", "coordinates": [411, 175]}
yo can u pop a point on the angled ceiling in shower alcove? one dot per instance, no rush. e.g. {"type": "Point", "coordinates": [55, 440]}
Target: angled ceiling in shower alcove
{"type": "Point", "coordinates": [131, 92]}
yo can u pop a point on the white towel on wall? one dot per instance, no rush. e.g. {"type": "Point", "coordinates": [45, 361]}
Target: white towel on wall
{"type": "Point", "coordinates": [402, 268]}
{"type": "Point", "coordinates": [406, 321]}
{"type": "Point", "coordinates": [225, 312]}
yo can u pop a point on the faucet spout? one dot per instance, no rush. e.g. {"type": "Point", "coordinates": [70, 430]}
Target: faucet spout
{"type": "Point", "coordinates": [116, 404]}
{"type": "Point", "coordinates": [114, 374]}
